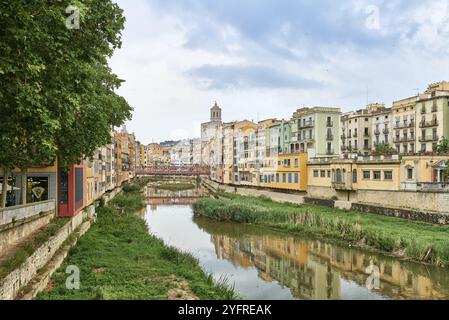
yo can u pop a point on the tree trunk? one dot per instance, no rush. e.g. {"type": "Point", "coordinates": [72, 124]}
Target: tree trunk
{"type": "Point", "coordinates": [5, 188]}
{"type": "Point", "coordinates": [23, 190]}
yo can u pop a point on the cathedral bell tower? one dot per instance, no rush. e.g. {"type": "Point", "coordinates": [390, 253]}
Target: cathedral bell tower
{"type": "Point", "coordinates": [215, 113]}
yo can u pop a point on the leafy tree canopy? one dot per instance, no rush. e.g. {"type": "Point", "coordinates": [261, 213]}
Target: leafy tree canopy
{"type": "Point", "coordinates": [58, 93]}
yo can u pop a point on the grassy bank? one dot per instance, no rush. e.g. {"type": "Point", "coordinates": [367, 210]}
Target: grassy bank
{"type": "Point", "coordinates": [176, 186]}
{"type": "Point", "coordinates": [119, 259]}
{"type": "Point", "coordinates": [24, 250]}
{"type": "Point", "coordinates": [415, 240]}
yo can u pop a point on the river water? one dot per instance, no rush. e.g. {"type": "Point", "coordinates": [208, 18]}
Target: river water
{"type": "Point", "coordinates": [266, 264]}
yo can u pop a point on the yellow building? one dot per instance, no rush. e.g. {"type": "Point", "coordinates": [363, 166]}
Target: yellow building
{"type": "Point", "coordinates": [245, 153]}
{"type": "Point", "coordinates": [90, 183]}
{"type": "Point", "coordinates": [289, 173]}
{"type": "Point", "coordinates": [404, 125]}
{"type": "Point", "coordinates": [41, 184]}
{"type": "Point", "coordinates": [337, 177]}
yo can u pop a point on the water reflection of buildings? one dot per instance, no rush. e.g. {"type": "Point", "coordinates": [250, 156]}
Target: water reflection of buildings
{"type": "Point", "coordinates": [312, 269]}
{"type": "Point", "coordinates": [156, 197]}
{"type": "Point", "coordinates": [160, 193]}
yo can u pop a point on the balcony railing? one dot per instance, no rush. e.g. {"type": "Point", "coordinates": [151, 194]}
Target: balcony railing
{"type": "Point", "coordinates": [366, 134]}
{"type": "Point", "coordinates": [330, 124]}
{"type": "Point", "coordinates": [341, 186]}
{"type": "Point", "coordinates": [428, 138]}
{"type": "Point", "coordinates": [330, 137]}
{"type": "Point", "coordinates": [355, 135]}
{"type": "Point", "coordinates": [423, 111]}
{"type": "Point", "coordinates": [386, 131]}
{"type": "Point", "coordinates": [434, 109]}
{"type": "Point", "coordinates": [377, 132]}
{"type": "Point", "coordinates": [330, 152]}
{"type": "Point", "coordinates": [433, 123]}
{"type": "Point", "coordinates": [308, 138]}
{"type": "Point", "coordinates": [343, 136]}
{"type": "Point", "coordinates": [306, 124]}
{"type": "Point", "coordinates": [425, 186]}
{"type": "Point", "coordinates": [367, 147]}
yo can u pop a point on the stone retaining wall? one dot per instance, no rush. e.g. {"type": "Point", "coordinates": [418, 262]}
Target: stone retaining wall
{"type": "Point", "coordinates": [419, 206]}
{"type": "Point", "coordinates": [23, 212]}
{"type": "Point", "coordinates": [11, 284]}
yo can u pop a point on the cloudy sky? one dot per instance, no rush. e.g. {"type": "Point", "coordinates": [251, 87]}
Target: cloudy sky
{"type": "Point", "coordinates": [265, 58]}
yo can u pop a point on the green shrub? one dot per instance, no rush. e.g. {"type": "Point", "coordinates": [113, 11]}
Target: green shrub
{"type": "Point", "coordinates": [130, 188]}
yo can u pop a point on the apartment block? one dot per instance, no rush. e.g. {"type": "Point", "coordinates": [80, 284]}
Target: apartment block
{"type": "Point", "coordinates": [315, 131]}
{"type": "Point", "coordinates": [432, 109]}
{"type": "Point", "coordinates": [404, 125]}
{"type": "Point", "coordinates": [364, 129]}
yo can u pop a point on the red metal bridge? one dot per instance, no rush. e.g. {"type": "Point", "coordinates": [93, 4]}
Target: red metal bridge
{"type": "Point", "coordinates": [194, 170]}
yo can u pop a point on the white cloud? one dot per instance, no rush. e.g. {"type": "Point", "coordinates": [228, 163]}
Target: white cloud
{"type": "Point", "coordinates": [163, 45]}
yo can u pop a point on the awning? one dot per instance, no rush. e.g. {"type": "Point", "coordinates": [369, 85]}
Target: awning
{"type": "Point", "coordinates": [9, 188]}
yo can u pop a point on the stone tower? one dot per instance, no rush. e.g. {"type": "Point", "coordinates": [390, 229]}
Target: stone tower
{"type": "Point", "coordinates": [215, 113]}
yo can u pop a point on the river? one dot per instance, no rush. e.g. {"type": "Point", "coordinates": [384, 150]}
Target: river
{"type": "Point", "coordinates": [265, 264]}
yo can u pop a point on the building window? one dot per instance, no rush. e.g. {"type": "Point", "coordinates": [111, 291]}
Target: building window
{"type": "Point", "coordinates": [354, 176]}
{"type": "Point", "coordinates": [366, 175]}
{"type": "Point", "coordinates": [277, 177]}
{"type": "Point", "coordinates": [296, 163]}
{"type": "Point", "coordinates": [289, 178]}
{"type": "Point", "coordinates": [376, 175]}
{"type": "Point", "coordinates": [323, 174]}
{"type": "Point", "coordinates": [410, 173]}
{"type": "Point", "coordinates": [328, 173]}
{"type": "Point", "coordinates": [315, 173]}
{"type": "Point", "coordinates": [388, 175]}
{"type": "Point", "coordinates": [296, 178]}
{"type": "Point", "coordinates": [284, 178]}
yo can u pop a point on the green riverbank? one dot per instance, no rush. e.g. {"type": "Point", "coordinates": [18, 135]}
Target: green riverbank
{"type": "Point", "coordinates": [119, 260]}
{"type": "Point", "coordinates": [176, 186]}
{"type": "Point", "coordinates": [418, 241]}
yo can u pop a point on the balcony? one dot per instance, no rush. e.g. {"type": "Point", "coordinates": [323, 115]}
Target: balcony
{"type": "Point", "coordinates": [386, 131]}
{"type": "Point", "coordinates": [377, 132]}
{"type": "Point", "coordinates": [398, 126]}
{"type": "Point", "coordinates": [434, 109]}
{"type": "Point", "coordinates": [367, 147]}
{"type": "Point", "coordinates": [423, 111]}
{"type": "Point", "coordinates": [397, 140]}
{"type": "Point", "coordinates": [330, 124]}
{"type": "Point", "coordinates": [330, 152]}
{"type": "Point", "coordinates": [429, 124]}
{"type": "Point", "coordinates": [366, 134]}
{"type": "Point", "coordinates": [341, 186]}
{"type": "Point", "coordinates": [343, 136]}
{"type": "Point", "coordinates": [429, 138]}
{"type": "Point", "coordinates": [355, 135]}
{"type": "Point", "coordinates": [306, 124]}
{"type": "Point", "coordinates": [330, 137]}
{"type": "Point", "coordinates": [344, 148]}
{"type": "Point", "coordinates": [411, 124]}
{"type": "Point", "coordinates": [308, 138]}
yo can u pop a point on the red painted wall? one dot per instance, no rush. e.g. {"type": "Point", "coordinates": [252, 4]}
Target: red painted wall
{"type": "Point", "coordinates": [71, 208]}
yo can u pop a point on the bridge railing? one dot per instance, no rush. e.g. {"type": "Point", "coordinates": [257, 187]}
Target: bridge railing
{"type": "Point", "coordinates": [174, 170]}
